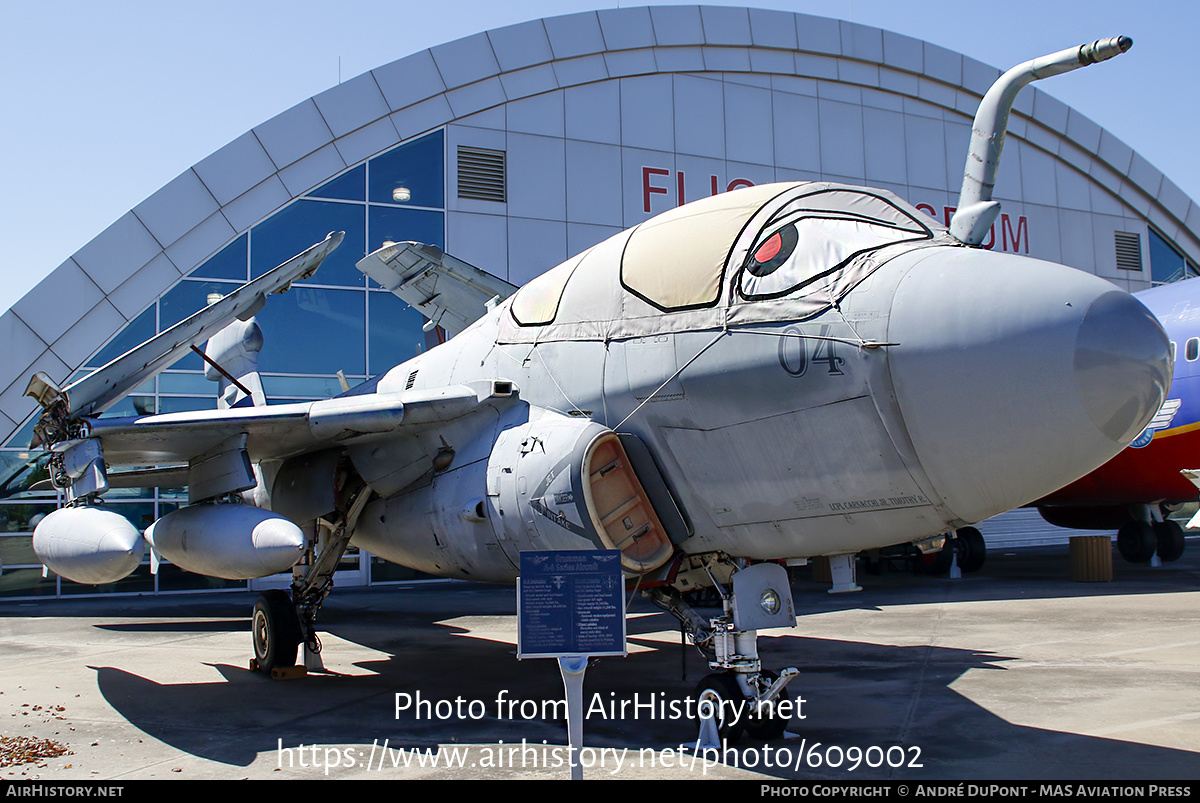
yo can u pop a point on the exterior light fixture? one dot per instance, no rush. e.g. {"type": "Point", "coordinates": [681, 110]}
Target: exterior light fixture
{"type": "Point", "coordinates": [769, 601]}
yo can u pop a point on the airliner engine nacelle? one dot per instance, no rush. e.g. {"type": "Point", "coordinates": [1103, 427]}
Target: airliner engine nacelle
{"type": "Point", "coordinates": [553, 482]}
{"type": "Point", "coordinates": [236, 542]}
{"type": "Point", "coordinates": [89, 545]}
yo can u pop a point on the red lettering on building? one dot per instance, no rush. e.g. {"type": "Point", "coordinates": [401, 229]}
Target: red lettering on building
{"type": "Point", "coordinates": [647, 189]}
{"type": "Point", "coordinates": [1006, 229]}
{"type": "Point", "coordinates": [1006, 226]}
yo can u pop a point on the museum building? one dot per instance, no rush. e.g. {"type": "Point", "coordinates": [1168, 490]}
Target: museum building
{"type": "Point", "coordinates": [514, 149]}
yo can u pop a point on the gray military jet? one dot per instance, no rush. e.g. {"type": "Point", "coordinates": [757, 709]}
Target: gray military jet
{"type": "Point", "coordinates": [769, 375]}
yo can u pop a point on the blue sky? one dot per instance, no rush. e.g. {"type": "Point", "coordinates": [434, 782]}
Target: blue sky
{"type": "Point", "coordinates": [103, 103]}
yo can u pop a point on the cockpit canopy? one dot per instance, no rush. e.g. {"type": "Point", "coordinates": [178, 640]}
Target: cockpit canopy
{"type": "Point", "coordinates": [774, 251]}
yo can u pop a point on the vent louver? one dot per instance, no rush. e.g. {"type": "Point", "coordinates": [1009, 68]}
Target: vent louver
{"type": "Point", "coordinates": [481, 174]}
{"type": "Point", "coordinates": [1129, 250]}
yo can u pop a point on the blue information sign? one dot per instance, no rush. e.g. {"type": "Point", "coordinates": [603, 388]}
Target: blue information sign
{"type": "Point", "coordinates": [570, 603]}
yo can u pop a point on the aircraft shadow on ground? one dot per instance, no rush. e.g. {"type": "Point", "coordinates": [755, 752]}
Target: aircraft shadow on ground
{"type": "Point", "coordinates": [859, 694]}
{"type": "Point", "coordinates": [1044, 575]}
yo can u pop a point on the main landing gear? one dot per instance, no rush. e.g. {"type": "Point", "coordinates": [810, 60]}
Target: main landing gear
{"type": "Point", "coordinates": [1150, 534]}
{"type": "Point", "coordinates": [276, 631]}
{"type": "Point", "coordinates": [281, 621]}
{"type": "Point", "coordinates": [739, 696]}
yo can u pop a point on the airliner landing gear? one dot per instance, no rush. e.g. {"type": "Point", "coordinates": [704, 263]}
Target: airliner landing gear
{"type": "Point", "coordinates": [1170, 540]}
{"type": "Point", "coordinates": [1150, 534]}
{"type": "Point", "coordinates": [739, 696]}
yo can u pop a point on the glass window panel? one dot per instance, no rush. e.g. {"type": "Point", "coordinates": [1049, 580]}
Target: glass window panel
{"type": "Point", "coordinates": [186, 299]}
{"type": "Point", "coordinates": [19, 518]}
{"type": "Point", "coordinates": [128, 493]}
{"type": "Point", "coordinates": [139, 514]}
{"type": "Point", "coordinates": [136, 332]}
{"type": "Point", "coordinates": [141, 581]}
{"type": "Point", "coordinates": [22, 469]}
{"type": "Point", "coordinates": [350, 186]}
{"type": "Point", "coordinates": [130, 406]}
{"type": "Point", "coordinates": [23, 436]}
{"type": "Point", "coordinates": [179, 492]}
{"type": "Point", "coordinates": [311, 330]}
{"type": "Point", "coordinates": [389, 223]}
{"type": "Point", "coordinates": [173, 578]}
{"type": "Point", "coordinates": [303, 387]}
{"type": "Point", "coordinates": [395, 333]}
{"type": "Point", "coordinates": [27, 583]}
{"type": "Point", "coordinates": [194, 384]}
{"type": "Point", "coordinates": [1166, 264]}
{"type": "Point", "coordinates": [17, 550]}
{"type": "Point", "coordinates": [185, 404]}
{"type": "Point", "coordinates": [228, 263]}
{"type": "Point", "coordinates": [410, 174]}
{"type": "Point", "coordinates": [303, 224]}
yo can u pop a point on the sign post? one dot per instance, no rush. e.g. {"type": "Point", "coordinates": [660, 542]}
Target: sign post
{"type": "Point", "coordinates": [571, 606]}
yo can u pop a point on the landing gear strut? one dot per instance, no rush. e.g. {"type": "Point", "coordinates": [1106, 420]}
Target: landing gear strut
{"type": "Point", "coordinates": [739, 696]}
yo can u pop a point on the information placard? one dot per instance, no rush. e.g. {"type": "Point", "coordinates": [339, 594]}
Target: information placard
{"type": "Point", "coordinates": [570, 602]}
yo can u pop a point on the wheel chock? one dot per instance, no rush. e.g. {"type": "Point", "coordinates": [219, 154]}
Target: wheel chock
{"type": "Point", "coordinates": [288, 672]}
{"type": "Point", "coordinates": [281, 672]}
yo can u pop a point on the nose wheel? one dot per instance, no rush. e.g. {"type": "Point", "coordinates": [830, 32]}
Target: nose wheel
{"type": "Point", "coordinates": [719, 701]}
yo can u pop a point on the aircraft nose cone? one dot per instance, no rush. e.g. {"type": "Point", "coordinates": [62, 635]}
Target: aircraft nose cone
{"type": "Point", "coordinates": [1122, 367]}
{"type": "Point", "coordinates": [1015, 377]}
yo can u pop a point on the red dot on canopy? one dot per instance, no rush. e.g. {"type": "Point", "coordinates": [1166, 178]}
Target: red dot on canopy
{"type": "Point", "coordinates": [769, 249]}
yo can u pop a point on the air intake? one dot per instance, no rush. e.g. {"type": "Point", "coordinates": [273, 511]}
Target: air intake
{"type": "Point", "coordinates": [1129, 250]}
{"type": "Point", "coordinates": [481, 174]}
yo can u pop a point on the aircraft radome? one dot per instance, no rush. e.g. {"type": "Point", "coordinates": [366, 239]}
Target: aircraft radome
{"type": "Point", "coordinates": [771, 374]}
{"type": "Point", "coordinates": [1135, 492]}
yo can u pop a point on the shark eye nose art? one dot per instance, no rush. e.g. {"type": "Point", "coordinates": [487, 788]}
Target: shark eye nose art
{"type": "Point", "coordinates": [769, 256]}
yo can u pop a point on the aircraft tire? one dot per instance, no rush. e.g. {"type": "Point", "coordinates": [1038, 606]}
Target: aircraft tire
{"type": "Point", "coordinates": [724, 695]}
{"type": "Point", "coordinates": [770, 726]}
{"type": "Point", "coordinates": [1136, 541]}
{"type": "Point", "coordinates": [1170, 540]}
{"type": "Point", "coordinates": [275, 631]}
{"type": "Point", "coordinates": [972, 550]}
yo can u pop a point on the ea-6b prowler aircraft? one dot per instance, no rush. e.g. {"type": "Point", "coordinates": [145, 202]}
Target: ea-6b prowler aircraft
{"type": "Point", "coordinates": [774, 373]}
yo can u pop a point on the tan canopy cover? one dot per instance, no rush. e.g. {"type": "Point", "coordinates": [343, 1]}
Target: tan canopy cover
{"type": "Point", "coordinates": [772, 252]}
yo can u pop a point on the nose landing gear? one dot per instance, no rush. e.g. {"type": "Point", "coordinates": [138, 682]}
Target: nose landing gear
{"type": "Point", "coordinates": [739, 696]}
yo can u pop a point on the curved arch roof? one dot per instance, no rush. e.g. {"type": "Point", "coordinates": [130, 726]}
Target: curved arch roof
{"type": "Point", "coordinates": [118, 274]}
